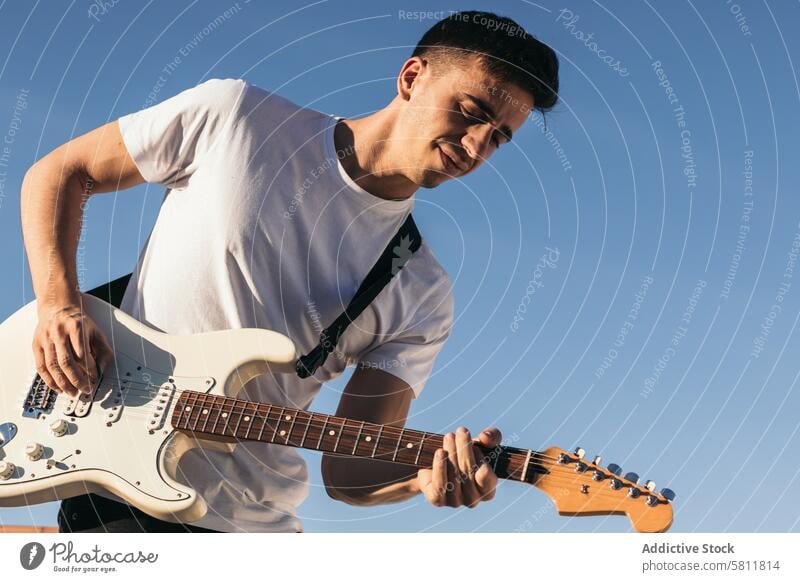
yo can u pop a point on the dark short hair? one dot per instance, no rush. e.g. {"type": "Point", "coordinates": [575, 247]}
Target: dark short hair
{"type": "Point", "coordinates": [506, 50]}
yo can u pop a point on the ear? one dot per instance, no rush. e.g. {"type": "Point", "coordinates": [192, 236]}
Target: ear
{"type": "Point", "coordinates": [409, 75]}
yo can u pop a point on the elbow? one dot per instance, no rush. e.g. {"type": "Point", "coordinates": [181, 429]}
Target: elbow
{"type": "Point", "coordinates": [335, 486]}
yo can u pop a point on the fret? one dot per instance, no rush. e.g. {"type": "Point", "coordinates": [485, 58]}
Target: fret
{"type": "Point", "coordinates": [220, 410]}
{"type": "Point", "coordinates": [498, 451]}
{"type": "Point", "coordinates": [377, 440]}
{"type": "Point", "coordinates": [419, 449]}
{"type": "Point", "coordinates": [264, 421]}
{"type": "Point", "coordinates": [195, 406]}
{"type": "Point", "coordinates": [252, 416]}
{"type": "Point", "coordinates": [205, 421]}
{"type": "Point", "coordinates": [397, 448]}
{"type": "Point", "coordinates": [185, 404]}
{"type": "Point", "coordinates": [179, 409]}
{"type": "Point", "coordinates": [322, 432]}
{"type": "Point", "coordinates": [275, 432]}
{"type": "Point", "coordinates": [238, 422]}
{"type": "Point", "coordinates": [227, 416]}
{"type": "Point", "coordinates": [339, 436]}
{"type": "Point", "coordinates": [355, 446]}
{"type": "Point", "coordinates": [305, 432]}
{"type": "Point", "coordinates": [289, 434]}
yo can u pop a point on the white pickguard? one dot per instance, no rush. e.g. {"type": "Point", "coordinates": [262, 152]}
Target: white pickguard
{"type": "Point", "coordinates": [125, 443]}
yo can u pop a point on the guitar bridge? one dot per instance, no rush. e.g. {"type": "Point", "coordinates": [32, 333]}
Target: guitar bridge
{"type": "Point", "coordinates": [39, 399]}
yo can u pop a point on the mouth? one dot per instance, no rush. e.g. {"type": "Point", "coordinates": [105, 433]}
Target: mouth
{"type": "Point", "coordinates": [450, 165]}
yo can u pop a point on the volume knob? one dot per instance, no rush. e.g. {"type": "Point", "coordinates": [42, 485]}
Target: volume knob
{"type": "Point", "coordinates": [34, 451]}
{"type": "Point", "coordinates": [59, 427]}
{"type": "Point", "coordinates": [7, 469]}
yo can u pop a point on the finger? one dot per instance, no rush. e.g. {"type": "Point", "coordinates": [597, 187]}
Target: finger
{"type": "Point", "coordinates": [490, 437]}
{"type": "Point", "coordinates": [453, 487]}
{"type": "Point", "coordinates": [74, 375]}
{"type": "Point", "coordinates": [486, 481]}
{"type": "Point", "coordinates": [60, 382]}
{"type": "Point", "coordinates": [83, 357]}
{"type": "Point", "coordinates": [41, 368]}
{"type": "Point", "coordinates": [467, 467]}
{"type": "Point", "coordinates": [433, 480]}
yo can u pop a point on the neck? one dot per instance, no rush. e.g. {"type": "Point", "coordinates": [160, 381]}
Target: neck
{"type": "Point", "coordinates": [368, 154]}
{"type": "Point", "coordinates": [229, 419]}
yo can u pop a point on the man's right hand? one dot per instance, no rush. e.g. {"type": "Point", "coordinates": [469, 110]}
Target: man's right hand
{"type": "Point", "coordinates": [67, 347]}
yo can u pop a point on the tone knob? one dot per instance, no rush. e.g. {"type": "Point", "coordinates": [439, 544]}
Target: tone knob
{"type": "Point", "coordinates": [34, 451]}
{"type": "Point", "coordinates": [59, 427]}
{"type": "Point", "coordinates": [580, 452]}
{"type": "Point", "coordinates": [597, 460]}
{"type": "Point", "coordinates": [650, 485]}
{"type": "Point", "coordinates": [7, 469]}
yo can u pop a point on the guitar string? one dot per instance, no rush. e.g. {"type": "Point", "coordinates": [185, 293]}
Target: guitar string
{"type": "Point", "coordinates": [557, 473]}
{"type": "Point", "coordinates": [153, 390]}
{"type": "Point", "coordinates": [536, 457]}
{"type": "Point", "coordinates": [132, 411]}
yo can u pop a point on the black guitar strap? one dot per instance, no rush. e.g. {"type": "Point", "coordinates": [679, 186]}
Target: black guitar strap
{"type": "Point", "coordinates": [403, 245]}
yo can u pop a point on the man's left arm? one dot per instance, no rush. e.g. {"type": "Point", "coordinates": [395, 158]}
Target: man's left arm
{"type": "Point", "coordinates": [457, 477]}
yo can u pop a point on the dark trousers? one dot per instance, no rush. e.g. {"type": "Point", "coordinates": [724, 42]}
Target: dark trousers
{"type": "Point", "coordinates": [92, 513]}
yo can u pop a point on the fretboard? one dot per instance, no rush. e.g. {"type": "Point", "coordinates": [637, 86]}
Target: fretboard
{"type": "Point", "coordinates": [241, 420]}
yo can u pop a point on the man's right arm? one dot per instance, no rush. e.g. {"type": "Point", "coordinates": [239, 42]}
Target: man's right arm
{"type": "Point", "coordinates": [67, 343]}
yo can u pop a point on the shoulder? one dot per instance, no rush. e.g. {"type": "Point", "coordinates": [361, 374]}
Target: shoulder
{"type": "Point", "coordinates": [428, 286]}
{"type": "Point", "coordinates": [259, 104]}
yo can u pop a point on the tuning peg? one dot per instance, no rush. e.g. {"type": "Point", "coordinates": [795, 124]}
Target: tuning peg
{"type": "Point", "coordinates": [597, 460]}
{"type": "Point", "coordinates": [668, 494]}
{"type": "Point", "coordinates": [650, 485]}
{"type": "Point", "coordinates": [632, 477]}
{"type": "Point", "coordinates": [580, 452]}
{"type": "Point", "coordinates": [614, 468]}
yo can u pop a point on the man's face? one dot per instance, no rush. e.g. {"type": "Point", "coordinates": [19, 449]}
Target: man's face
{"type": "Point", "coordinates": [455, 118]}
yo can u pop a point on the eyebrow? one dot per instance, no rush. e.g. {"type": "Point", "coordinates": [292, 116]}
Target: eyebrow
{"type": "Point", "coordinates": [489, 112]}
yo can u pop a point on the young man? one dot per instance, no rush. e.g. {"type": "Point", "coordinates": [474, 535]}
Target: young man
{"type": "Point", "coordinates": [272, 216]}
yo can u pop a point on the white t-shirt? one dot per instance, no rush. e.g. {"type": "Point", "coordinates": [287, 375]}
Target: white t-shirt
{"type": "Point", "coordinates": [260, 226]}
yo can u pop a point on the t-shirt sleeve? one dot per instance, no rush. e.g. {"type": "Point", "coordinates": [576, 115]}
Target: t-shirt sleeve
{"type": "Point", "coordinates": [167, 141]}
{"type": "Point", "coordinates": [411, 353]}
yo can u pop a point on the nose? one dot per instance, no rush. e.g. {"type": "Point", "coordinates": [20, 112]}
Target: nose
{"type": "Point", "coordinates": [477, 143]}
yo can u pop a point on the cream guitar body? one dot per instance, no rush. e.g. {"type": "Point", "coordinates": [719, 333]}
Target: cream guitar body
{"type": "Point", "coordinates": [121, 439]}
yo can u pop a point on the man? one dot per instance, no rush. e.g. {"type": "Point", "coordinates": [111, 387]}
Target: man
{"type": "Point", "coordinates": [272, 216]}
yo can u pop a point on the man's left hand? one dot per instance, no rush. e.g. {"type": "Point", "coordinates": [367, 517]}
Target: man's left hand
{"type": "Point", "coordinates": [459, 475]}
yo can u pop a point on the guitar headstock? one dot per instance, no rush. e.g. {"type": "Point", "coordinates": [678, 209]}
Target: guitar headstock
{"type": "Point", "coordinates": [580, 487]}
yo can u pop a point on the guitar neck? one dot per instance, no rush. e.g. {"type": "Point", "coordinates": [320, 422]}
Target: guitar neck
{"type": "Point", "coordinates": [230, 419]}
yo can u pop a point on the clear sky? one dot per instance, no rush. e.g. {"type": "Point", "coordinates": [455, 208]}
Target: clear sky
{"type": "Point", "coordinates": [658, 329]}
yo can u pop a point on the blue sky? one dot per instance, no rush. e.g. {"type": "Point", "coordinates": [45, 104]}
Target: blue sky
{"type": "Point", "coordinates": [662, 190]}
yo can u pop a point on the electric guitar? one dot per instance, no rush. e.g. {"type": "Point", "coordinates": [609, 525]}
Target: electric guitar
{"type": "Point", "coordinates": [165, 394]}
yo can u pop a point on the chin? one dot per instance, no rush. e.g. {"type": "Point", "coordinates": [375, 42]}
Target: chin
{"type": "Point", "coordinates": [431, 179]}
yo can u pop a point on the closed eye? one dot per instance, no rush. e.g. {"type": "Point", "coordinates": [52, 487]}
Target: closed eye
{"type": "Point", "coordinates": [479, 116]}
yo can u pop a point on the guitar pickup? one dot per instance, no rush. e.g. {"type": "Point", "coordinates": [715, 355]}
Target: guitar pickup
{"type": "Point", "coordinates": [80, 406]}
